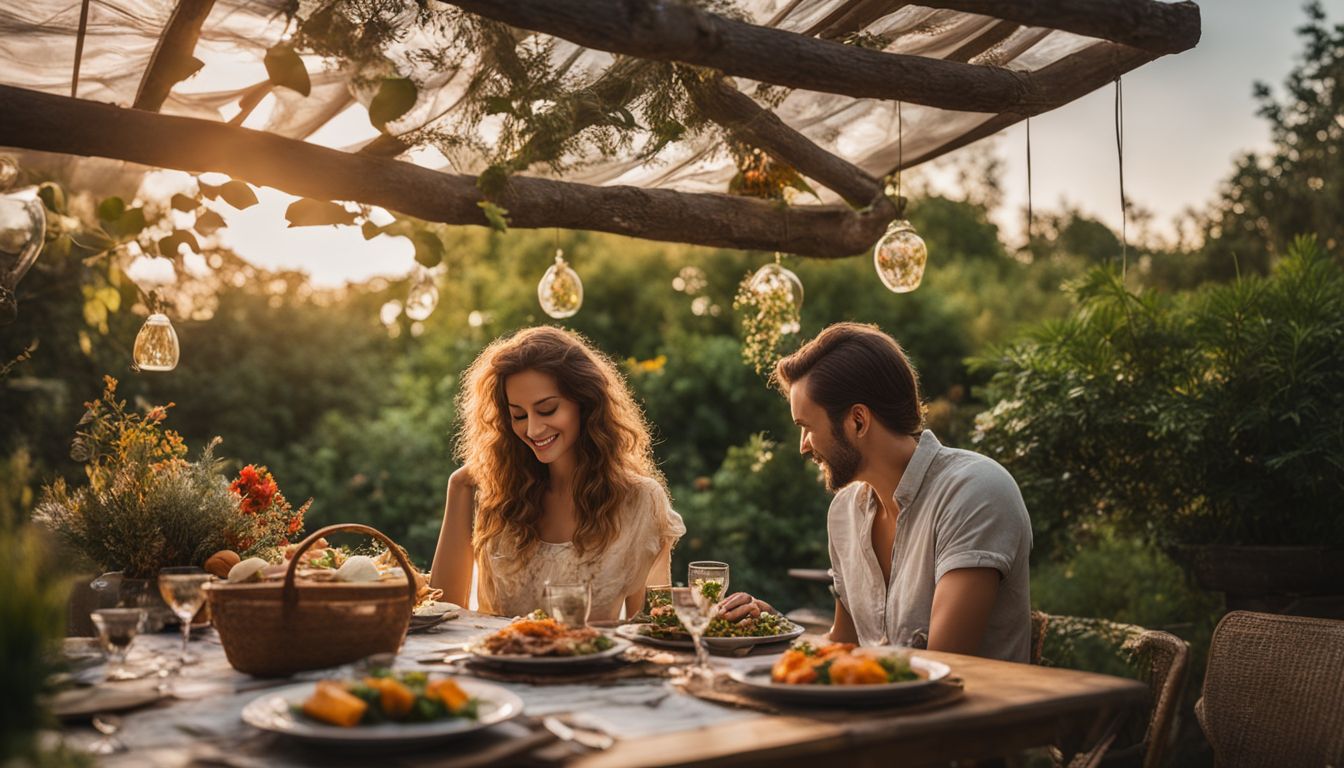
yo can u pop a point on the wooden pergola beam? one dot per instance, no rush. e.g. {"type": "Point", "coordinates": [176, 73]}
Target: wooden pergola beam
{"type": "Point", "coordinates": [51, 123]}
{"type": "Point", "coordinates": [1090, 68]}
{"type": "Point", "coordinates": [673, 31]}
{"type": "Point", "coordinates": [721, 102]}
{"type": "Point", "coordinates": [983, 42]}
{"type": "Point", "coordinates": [1153, 26]}
{"type": "Point", "coordinates": [173, 53]}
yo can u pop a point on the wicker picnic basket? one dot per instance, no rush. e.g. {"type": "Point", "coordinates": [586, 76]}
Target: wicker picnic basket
{"type": "Point", "coordinates": [273, 629]}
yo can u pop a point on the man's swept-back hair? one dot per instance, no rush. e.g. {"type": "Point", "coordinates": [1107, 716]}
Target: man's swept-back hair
{"type": "Point", "coordinates": [852, 363]}
{"type": "Point", "coordinates": [613, 450]}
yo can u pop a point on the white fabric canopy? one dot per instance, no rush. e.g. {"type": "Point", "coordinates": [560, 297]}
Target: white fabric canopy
{"type": "Point", "coordinates": [37, 45]}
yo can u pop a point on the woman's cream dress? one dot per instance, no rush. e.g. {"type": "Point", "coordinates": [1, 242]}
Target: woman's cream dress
{"type": "Point", "coordinates": [508, 586]}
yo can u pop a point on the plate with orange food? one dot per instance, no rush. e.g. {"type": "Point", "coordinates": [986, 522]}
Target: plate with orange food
{"type": "Point", "coordinates": [385, 707]}
{"type": "Point", "coordinates": [539, 641]}
{"type": "Point", "coordinates": [842, 674]}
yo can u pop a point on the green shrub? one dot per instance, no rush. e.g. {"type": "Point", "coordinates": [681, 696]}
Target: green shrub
{"type": "Point", "coordinates": [32, 620]}
{"type": "Point", "coordinates": [1212, 417]}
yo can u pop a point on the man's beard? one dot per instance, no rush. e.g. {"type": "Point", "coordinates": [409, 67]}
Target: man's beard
{"type": "Point", "coordinates": [840, 465]}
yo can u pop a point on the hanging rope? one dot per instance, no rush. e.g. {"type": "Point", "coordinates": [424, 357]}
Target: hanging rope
{"type": "Point", "coordinates": [1120, 159]}
{"type": "Point", "coordinates": [79, 46]}
{"type": "Point", "coordinates": [1029, 216]}
{"type": "Point", "coordinates": [900, 155]}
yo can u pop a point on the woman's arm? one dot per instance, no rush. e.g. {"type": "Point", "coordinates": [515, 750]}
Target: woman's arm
{"type": "Point", "coordinates": [451, 570]}
{"type": "Point", "coordinates": [660, 574]}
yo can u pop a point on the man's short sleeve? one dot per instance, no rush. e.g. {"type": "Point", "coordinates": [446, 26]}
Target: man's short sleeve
{"type": "Point", "coordinates": [984, 524]}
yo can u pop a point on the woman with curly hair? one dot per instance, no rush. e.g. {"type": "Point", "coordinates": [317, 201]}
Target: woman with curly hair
{"type": "Point", "coordinates": [557, 483]}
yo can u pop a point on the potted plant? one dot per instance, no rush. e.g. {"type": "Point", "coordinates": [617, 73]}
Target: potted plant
{"type": "Point", "coordinates": [1208, 422]}
{"type": "Point", "coordinates": [147, 507]}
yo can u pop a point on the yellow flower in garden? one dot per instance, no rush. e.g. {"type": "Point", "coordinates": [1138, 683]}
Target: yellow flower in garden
{"type": "Point", "coordinates": [652, 365]}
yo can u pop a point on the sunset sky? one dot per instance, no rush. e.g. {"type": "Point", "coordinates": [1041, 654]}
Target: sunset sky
{"type": "Point", "coordinates": [1186, 118]}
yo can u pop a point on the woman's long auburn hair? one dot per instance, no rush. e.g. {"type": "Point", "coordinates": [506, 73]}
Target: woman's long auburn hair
{"type": "Point", "coordinates": [613, 451]}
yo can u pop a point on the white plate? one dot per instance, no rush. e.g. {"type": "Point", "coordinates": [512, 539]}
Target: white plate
{"type": "Point", "coordinates": [733, 643]}
{"type": "Point", "coordinates": [436, 608]}
{"type": "Point", "coordinates": [83, 702]}
{"type": "Point", "coordinates": [503, 660]}
{"type": "Point", "coordinates": [758, 682]}
{"type": "Point", "coordinates": [631, 632]}
{"type": "Point", "coordinates": [275, 712]}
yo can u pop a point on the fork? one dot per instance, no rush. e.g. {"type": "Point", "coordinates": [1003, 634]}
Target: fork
{"type": "Point", "coordinates": [565, 730]}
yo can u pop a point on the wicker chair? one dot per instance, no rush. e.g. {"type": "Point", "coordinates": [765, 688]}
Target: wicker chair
{"type": "Point", "coordinates": [1158, 658]}
{"type": "Point", "coordinates": [1274, 691]}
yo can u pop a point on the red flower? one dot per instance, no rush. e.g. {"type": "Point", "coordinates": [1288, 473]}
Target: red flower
{"type": "Point", "coordinates": [272, 518]}
{"type": "Point", "coordinates": [256, 488]}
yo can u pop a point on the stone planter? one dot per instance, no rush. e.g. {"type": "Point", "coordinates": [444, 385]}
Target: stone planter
{"type": "Point", "coordinates": [1302, 581]}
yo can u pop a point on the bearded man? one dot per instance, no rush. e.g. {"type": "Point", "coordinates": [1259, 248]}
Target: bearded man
{"type": "Point", "coordinates": [929, 545]}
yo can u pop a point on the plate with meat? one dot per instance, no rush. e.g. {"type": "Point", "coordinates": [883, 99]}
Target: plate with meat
{"type": "Point", "coordinates": [545, 642]}
{"type": "Point", "coordinates": [841, 674]}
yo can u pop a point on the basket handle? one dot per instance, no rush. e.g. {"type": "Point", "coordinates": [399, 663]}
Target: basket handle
{"type": "Point", "coordinates": [291, 593]}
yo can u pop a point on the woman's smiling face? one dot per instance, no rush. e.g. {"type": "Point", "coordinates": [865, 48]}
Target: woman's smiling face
{"type": "Point", "coordinates": [544, 419]}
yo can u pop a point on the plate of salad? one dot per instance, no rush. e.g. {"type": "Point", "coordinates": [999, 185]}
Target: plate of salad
{"type": "Point", "coordinates": [659, 626]}
{"type": "Point", "coordinates": [385, 707]}
{"type": "Point", "coordinates": [840, 673]}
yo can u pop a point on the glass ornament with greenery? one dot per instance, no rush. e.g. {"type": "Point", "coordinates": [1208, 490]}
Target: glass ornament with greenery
{"type": "Point", "coordinates": [769, 303]}
{"type": "Point", "coordinates": [560, 291]}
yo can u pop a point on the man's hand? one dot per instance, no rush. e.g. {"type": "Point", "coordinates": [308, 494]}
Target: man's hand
{"type": "Point", "coordinates": [740, 605]}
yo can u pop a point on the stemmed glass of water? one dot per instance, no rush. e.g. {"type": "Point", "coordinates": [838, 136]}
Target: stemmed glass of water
{"type": "Point", "coordinates": [117, 627]}
{"type": "Point", "coordinates": [696, 604]}
{"type": "Point", "coordinates": [710, 576]}
{"type": "Point", "coordinates": [183, 589]}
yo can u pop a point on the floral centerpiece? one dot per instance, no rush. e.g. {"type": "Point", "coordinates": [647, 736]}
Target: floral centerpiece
{"type": "Point", "coordinates": [146, 506]}
{"type": "Point", "coordinates": [270, 519]}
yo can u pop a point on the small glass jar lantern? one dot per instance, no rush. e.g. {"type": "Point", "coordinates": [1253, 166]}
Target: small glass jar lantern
{"type": "Point", "coordinates": [156, 345]}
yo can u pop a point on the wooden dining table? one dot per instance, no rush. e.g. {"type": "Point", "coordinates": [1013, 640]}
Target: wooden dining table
{"type": "Point", "coordinates": [1000, 709]}
{"type": "Point", "coordinates": [1005, 708]}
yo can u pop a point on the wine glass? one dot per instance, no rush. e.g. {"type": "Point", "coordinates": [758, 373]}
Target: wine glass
{"type": "Point", "coordinates": [710, 577]}
{"type": "Point", "coordinates": [107, 742]}
{"type": "Point", "coordinates": [657, 596]}
{"type": "Point", "coordinates": [693, 610]}
{"type": "Point", "coordinates": [183, 589]}
{"type": "Point", "coordinates": [568, 604]}
{"type": "Point", "coordinates": [117, 627]}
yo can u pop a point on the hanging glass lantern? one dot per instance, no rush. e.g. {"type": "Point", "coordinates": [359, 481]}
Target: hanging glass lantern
{"type": "Point", "coordinates": [422, 298]}
{"type": "Point", "coordinates": [899, 257]}
{"type": "Point", "coordinates": [156, 345]}
{"type": "Point", "coordinates": [560, 290]}
{"type": "Point", "coordinates": [781, 294]}
{"type": "Point", "coordinates": [23, 229]}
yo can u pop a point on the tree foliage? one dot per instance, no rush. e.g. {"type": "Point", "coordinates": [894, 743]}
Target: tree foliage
{"type": "Point", "coordinates": [1209, 418]}
{"type": "Point", "coordinates": [1297, 187]}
